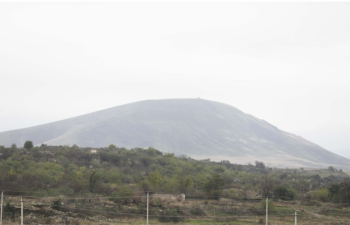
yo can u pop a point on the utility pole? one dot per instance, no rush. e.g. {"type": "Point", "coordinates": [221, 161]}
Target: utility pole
{"type": "Point", "coordinates": [295, 213]}
{"type": "Point", "coordinates": [21, 211]}
{"type": "Point", "coordinates": [2, 199]}
{"type": "Point", "coordinates": [267, 210]}
{"type": "Point", "coordinates": [147, 205]}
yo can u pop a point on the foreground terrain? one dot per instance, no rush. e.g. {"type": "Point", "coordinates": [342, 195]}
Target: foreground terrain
{"type": "Point", "coordinates": [73, 185]}
{"type": "Point", "coordinates": [99, 210]}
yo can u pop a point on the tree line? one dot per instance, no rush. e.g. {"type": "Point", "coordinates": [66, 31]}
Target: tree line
{"type": "Point", "coordinates": [115, 172]}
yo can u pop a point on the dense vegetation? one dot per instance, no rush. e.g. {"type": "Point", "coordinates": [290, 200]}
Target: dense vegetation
{"type": "Point", "coordinates": [115, 172]}
{"type": "Point", "coordinates": [73, 185]}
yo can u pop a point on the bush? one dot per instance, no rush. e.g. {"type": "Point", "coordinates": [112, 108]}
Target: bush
{"type": "Point", "coordinates": [320, 195]}
{"type": "Point", "coordinates": [28, 145]}
{"type": "Point", "coordinates": [230, 193]}
{"type": "Point", "coordinates": [123, 195]}
{"type": "Point", "coordinates": [283, 193]}
{"type": "Point", "coordinates": [57, 205]}
{"type": "Point", "coordinates": [196, 210]}
{"type": "Point", "coordinates": [260, 165]}
{"type": "Point", "coordinates": [171, 215]}
{"type": "Point", "coordinates": [10, 210]}
{"type": "Point", "coordinates": [214, 186]}
{"type": "Point", "coordinates": [331, 168]}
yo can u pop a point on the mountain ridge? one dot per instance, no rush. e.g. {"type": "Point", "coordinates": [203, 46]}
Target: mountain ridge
{"type": "Point", "coordinates": [193, 127]}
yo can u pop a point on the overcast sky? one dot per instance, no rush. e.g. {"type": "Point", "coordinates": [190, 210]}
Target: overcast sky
{"type": "Point", "coordinates": [286, 63]}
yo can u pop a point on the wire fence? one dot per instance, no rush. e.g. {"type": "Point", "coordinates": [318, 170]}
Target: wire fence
{"type": "Point", "coordinates": [235, 210]}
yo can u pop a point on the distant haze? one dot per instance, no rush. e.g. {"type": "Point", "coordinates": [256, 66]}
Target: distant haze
{"type": "Point", "coordinates": [286, 63]}
{"type": "Point", "coordinates": [191, 127]}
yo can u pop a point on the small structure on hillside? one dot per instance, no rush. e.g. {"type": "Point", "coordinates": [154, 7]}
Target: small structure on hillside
{"type": "Point", "coordinates": [169, 197]}
{"type": "Point", "coordinates": [181, 197]}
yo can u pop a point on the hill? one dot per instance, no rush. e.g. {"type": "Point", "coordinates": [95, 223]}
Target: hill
{"type": "Point", "coordinates": [193, 127]}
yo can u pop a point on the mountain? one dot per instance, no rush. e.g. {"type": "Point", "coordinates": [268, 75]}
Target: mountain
{"type": "Point", "coordinates": [193, 127]}
{"type": "Point", "coordinates": [343, 152]}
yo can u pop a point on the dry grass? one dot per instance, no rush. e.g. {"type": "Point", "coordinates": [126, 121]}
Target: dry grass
{"type": "Point", "coordinates": [100, 211]}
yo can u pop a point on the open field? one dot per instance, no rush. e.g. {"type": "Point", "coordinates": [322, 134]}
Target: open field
{"type": "Point", "coordinates": [100, 210]}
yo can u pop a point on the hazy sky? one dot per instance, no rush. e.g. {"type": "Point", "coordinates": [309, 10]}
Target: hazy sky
{"type": "Point", "coordinates": [286, 63]}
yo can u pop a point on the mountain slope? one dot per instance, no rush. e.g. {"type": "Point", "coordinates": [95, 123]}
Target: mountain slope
{"type": "Point", "coordinates": [194, 127]}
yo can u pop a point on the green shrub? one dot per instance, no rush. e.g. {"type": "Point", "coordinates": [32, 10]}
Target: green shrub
{"type": "Point", "coordinates": [320, 195]}
{"type": "Point", "coordinates": [197, 210]}
{"type": "Point", "coordinates": [283, 193]}
{"type": "Point", "coordinates": [57, 205]}
{"type": "Point", "coordinates": [171, 215]}
{"type": "Point", "coordinates": [10, 210]}
{"type": "Point", "coordinates": [123, 195]}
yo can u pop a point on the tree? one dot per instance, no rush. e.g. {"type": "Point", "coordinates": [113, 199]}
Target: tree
{"type": "Point", "coordinates": [184, 183]}
{"type": "Point", "coordinates": [331, 168]}
{"type": "Point", "coordinates": [260, 165]}
{"type": "Point", "coordinates": [267, 184]}
{"type": "Point", "coordinates": [214, 186]}
{"type": "Point", "coordinates": [334, 191]}
{"type": "Point", "coordinates": [28, 145]}
{"type": "Point", "coordinates": [303, 187]}
{"type": "Point", "coordinates": [340, 191]}
{"type": "Point", "coordinates": [112, 147]}
{"type": "Point", "coordinates": [283, 193]}
{"type": "Point", "coordinates": [345, 190]}
{"type": "Point", "coordinates": [94, 178]}
{"type": "Point", "coordinates": [155, 180]}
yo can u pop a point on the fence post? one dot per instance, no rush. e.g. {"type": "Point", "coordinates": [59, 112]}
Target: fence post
{"type": "Point", "coordinates": [147, 205]}
{"type": "Point", "coordinates": [2, 198]}
{"type": "Point", "coordinates": [267, 210]}
{"type": "Point", "coordinates": [21, 211]}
